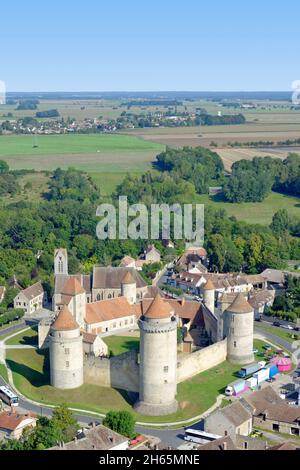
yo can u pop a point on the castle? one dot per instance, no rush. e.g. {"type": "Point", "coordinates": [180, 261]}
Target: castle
{"type": "Point", "coordinates": [116, 298]}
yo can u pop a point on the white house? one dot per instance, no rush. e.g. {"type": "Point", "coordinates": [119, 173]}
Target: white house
{"type": "Point", "coordinates": [30, 299]}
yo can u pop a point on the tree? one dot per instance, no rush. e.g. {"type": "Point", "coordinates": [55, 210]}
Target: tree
{"type": "Point", "coordinates": [280, 222]}
{"type": "Point", "coordinates": [63, 421]}
{"type": "Point", "coordinates": [121, 422]}
{"type": "Point", "coordinates": [4, 168]}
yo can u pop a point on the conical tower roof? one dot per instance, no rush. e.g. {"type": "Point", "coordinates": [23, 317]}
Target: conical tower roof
{"type": "Point", "coordinates": [209, 285]}
{"type": "Point", "coordinates": [65, 321]}
{"type": "Point", "coordinates": [128, 278]}
{"type": "Point", "coordinates": [159, 308]}
{"type": "Point", "coordinates": [240, 305]}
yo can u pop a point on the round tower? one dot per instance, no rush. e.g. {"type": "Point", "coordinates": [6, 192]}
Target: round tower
{"type": "Point", "coordinates": [238, 328]}
{"type": "Point", "coordinates": [66, 352]}
{"type": "Point", "coordinates": [209, 295]}
{"type": "Point", "coordinates": [128, 288]}
{"type": "Point", "coordinates": [158, 360]}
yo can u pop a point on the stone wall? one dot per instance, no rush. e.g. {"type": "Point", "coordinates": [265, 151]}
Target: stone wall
{"type": "Point", "coordinates": [192, 364]}
{"type": "Point", "coordinates": [123, 371]}
{"type": "Point", "coordinates": [118, 372]}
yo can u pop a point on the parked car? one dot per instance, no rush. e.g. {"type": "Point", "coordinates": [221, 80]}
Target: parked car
{"type": "Point", "coordinates": [297, 328]}
{"type": "Point", "coordinates": [276, 323]}
{"type": "Point", "coordinates": [267, 347]}
{"type": "Point", "coordinates": [287, 327]}
{"type": "Point", "coordinates": [255, 351]}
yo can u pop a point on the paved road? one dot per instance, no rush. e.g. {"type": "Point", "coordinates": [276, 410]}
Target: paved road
{"type": "Point", "coordinates": [11, 329]}
{"type": "Point", "coordinates": [274, 339]}
{"type": "Point", "coordinates": [168, 436]}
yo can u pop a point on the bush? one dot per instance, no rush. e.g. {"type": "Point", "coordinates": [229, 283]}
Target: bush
{"type": "Point", "coordinates": [121, 422]}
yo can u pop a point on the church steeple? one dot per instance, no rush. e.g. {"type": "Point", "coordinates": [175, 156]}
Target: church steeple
{"type": "Point", "coordinates": [60, 261]}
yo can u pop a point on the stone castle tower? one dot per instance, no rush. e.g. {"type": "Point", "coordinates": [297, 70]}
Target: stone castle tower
{"type": "Point", "coordinates": [158, 360]}
{"type": "Point", "coordinates": [238, 321]}
{"type": "Point", "coordinates": [75, 296]}
{"type": "Point", "coordinates": [66, 352]}
{"type": "Point", "coordinates": [209, 295]}
{"type": "Point", "coordinates": [60, 261]}
{"type": "Point", "coordinates": [128, 288]}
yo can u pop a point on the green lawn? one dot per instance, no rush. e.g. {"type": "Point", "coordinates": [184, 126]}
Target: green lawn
{"type": "Point", "coordinates": [255, 213]}
{"type": "Point", "coordinates": [72, 144]}
{"type": "Point", "coordinates": [3, 372]}
{"type": "Point", "coordinates": [28, 337]}
{"type": "Point", "coordinates": [196, 395]}
{"type": "Point", "coordinates": [31, 377]}
{"type": "Point", "coordinates": [121, 344]}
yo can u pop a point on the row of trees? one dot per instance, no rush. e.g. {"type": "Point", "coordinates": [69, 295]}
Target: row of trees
{"type": "Point", "coordinates": [252, 180]}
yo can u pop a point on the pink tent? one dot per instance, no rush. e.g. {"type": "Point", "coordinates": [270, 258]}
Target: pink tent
{"type": "Point", "coordinates": [283, 364]}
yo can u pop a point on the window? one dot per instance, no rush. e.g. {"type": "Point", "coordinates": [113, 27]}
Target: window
{"type": "Point", "coordinates": [67, 364]}
{"type": "Point", "coordinates": [245, 445]}
{"type": "Point", "coordinates": [114, 325]}
{"type": "Point", "coordinates": [126, 322]}
{"type": "Point", "coordinates": [295, 431]}
{"type": "Point", "coordinates": [166, 368]}
{"type": "Point", "coordinates": [234, 344]}
{"type": "Point", "coordinates": [98, 296]}
{"type": "Point", "coordinates": [67, 351]}
{"type": "Point", "coordinates": [275, 427]}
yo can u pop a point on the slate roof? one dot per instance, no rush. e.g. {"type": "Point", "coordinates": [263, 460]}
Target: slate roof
{"type": "Point", "coordinates": [111, 278]}
{"type": "Point", "coordinates": [33, 291]}
{"type": "Point", "coordinates": [223, 443]}
{"type": "Point", "coordinates": [96, 438]}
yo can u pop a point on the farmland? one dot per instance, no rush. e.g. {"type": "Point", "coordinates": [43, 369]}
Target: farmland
{"type": "Point", "coordinates": [106, 157]}
{"type": "Point", "coordinates": [255, 212]}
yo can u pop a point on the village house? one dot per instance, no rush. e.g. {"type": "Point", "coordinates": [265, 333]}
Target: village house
{"type": "Point", "coordinates": [152, 255]}
{"type": "Point", "coordinates": [95, 438]}
{"type": "Point", "coordinates": [30, 299]}
{"type": "Point", "coordinates": [223, 443]}
{"type": "Point", "coordinates": [270, 412]}
{"type": "Point", "coordinates": [231, 421]}
{"type": "Point", "coordinates": [12, 424]}
{"type": "Point", "coordinates": [94, 345]}
{"type": "Point", "coordinates": [193, 257]}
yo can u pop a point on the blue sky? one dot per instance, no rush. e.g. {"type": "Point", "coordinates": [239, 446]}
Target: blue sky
{"type": "Point", "coordinates": [97, 45]}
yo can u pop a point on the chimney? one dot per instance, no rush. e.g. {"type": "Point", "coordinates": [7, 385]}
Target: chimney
{"type": "Point", "coordinates": [224, 446]}
{"type": "Point", "coordinates": [182, 301]}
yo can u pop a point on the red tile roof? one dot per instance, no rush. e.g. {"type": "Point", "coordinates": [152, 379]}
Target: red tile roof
{"type": "Point", "coordinates": [72, 287]}
{"type": "Point", "coordinates": [65, 321]}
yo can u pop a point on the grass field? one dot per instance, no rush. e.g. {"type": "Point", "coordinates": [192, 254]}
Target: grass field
{"type": "Point", "coordinates": [3, 372]}
{"type": "Point", "coordinates": [255, 212]}
{"type": "Point", "coordinates": [98, 154]}
{"type": "Point", "coordinates": [120, 344]}
{"type": "Point", "coordinates": [27, 338]}
{"type": "Point", "coordinates": [31, 377]}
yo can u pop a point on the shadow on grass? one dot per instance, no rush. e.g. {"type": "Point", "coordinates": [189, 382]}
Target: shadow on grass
{"type": "Point", "coordinates": [29, 341]}
{"type": "Point", "coordinates": [35, 378]}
